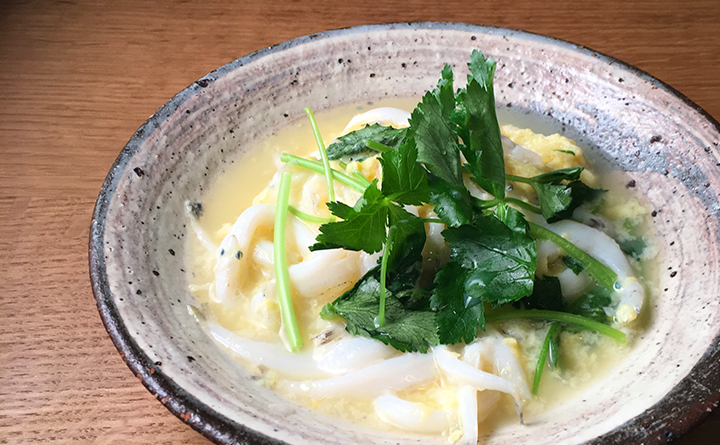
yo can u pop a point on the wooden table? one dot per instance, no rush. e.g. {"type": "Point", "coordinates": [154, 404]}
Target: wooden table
{"type": "Point", "coordinates": [78, 78]}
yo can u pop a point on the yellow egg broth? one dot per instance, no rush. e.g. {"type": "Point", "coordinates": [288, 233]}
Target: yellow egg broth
{"type": "Point", "coordinates": [584, 356]}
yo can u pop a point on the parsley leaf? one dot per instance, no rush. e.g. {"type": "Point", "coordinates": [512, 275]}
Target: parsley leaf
{"type": "Point", "coordinates": [512, 218]}
{"type": "Point", "coordinates": [502, 261]}
{"type": "Point", "coordinates": [483, 150]}
{"type": "Point", "coordinates": [459, 305]}
{"type": "Point", "coordinates": [491, 263]}
{"type": "Point", "coordinates": [592, 305]}
{"type": "Point", "coordinates": [434, 132]}
{"type": "Point", "coordinates": [405, 256]}
{"type": "Point", "coordinates": [354, 145]}
{"type": "Point", "coordinates": [546, 295]}
{"type": "Point", "coordinates": [558, 200]}
{"type": "Point", "coordinates": [363, 225]}
{"type": "Point", "coordinates": [404, 329]}
{"type": "Point", "coordinates": [404, 180]}
{"type": "Point", "coordinates": [453, 203]}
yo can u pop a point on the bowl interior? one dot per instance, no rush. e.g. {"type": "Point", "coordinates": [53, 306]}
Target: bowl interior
{"type": "Point", "coordinates": [139, 246]}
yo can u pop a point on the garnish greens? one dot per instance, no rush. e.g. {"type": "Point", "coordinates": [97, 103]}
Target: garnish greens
{"type": "Point", "coordinates": [493, 247]}
{"type": "Point", "coordinates": [281, 269]}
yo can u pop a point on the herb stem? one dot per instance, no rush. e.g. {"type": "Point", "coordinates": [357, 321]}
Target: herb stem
{"type": "Point", "coordinates": [361, 178]}
{"type": "Point", "coordinates": [319, 168]}
{"type": "Point", "coordinates": [598, 270]}
{"type": "Point", "coordinates": [282, 275]}
{"type": "Point", "coordinates": [486, 204]}
{"type": "Point", "coordinates": [518, 179]}
{"type": "Point", "coordinates": [323, 154]}
{"type": "Point", "coordinates": [524, 205]}
{"type": "Point", "coordinates": [563, 317]}
{"type": "Point", "coordinates": [544, 351]}
{"type": "Point", "coordinates": [383, 274]}
{"type": "Point", "coordinates": [433, 220]}
{"type": "Point", "coordinates": [307, 217]}
{"type": "Point", "coordinates": [378, 146]}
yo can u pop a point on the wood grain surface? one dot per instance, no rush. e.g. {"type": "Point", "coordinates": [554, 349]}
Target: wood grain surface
{"type": "Point", "coordinates": [78, 78]}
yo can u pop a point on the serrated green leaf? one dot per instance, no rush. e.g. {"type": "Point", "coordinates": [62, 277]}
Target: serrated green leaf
{"type": "Point", "coordinates": [460, 310]}
{"type": "Point", "coordinates": [405, 256]}
{"type": "Point", "coordinates": [453, 203]}
{"type": "Point", "coordinates": [404, 330]}
{"type": "Point", "coordinates": [502, 261]}
{"type": "Point", "coordinates": [483, 147]}
{"type": "Point", "coordinates": [354, 145]}
{"type": "Point", "coordinates": [363, 226]}
{"type": "Point", "coordinates": [434, 133]}
{"type": "Point", "coordinates": [546, 295]}
{"type": "Point", "coordinates": [404, 180]}
{"type": "Point", "coordinates": [512, 218]}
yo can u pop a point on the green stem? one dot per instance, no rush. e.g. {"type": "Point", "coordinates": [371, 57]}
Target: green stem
{"type": "Point", "coordinates": [543, 356]}
{"type": "Point", "coordinates": [377, 146]}
{"type": "Point", "coordinates": [483, 204]}
{"type": "Point", "coordinates": [563, 317]}
{"type": "Point", "coordinates": [383, 274]}
{"type": "Point", "coordinates": [282, 274]}
{"type": "Point", "coordinates": [307, 217]}
{"type": "Point", "coordinates": [319, 168]}
{"type": "Point", "coordinates": [433, 220]}
{"type": "Point", "coordinates": [524, 205]}
{"type": "Point", "coordinates": [361, 178]}
{"type": "Point", "coordinates": [598, 270]}
{"type": "Point", "coordinates": [323, 154]}
{"type": "Point", "coordinates": [518, 179]}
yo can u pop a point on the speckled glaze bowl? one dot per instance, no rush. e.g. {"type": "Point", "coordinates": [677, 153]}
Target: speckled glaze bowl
{"type": "Point", "coordinates": [668, 145]}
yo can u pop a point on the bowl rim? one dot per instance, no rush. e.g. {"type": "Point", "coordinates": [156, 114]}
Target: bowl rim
{"type": "Point", "coordinates": [693, 398]}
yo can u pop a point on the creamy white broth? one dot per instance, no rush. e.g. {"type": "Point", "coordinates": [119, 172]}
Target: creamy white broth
{"type": "Point", "coordinates": [584, 356]}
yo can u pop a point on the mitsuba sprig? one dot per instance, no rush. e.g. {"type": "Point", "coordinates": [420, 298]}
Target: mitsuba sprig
{"type": "Point", "coordinates": [493, 253]}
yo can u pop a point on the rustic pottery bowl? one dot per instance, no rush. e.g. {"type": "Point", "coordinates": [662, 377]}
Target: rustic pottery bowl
{"type": "Point", "coordinates": [643, 127]}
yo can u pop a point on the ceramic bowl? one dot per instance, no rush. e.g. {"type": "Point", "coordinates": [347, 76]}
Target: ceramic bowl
{"type": "Point", "coordinates": [668, 145]}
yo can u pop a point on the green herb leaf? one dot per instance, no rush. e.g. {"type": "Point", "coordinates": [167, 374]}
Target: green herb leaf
{"type": "Point", "coordinates": [453, 203]}
{"type": "Point", "coordinates": [483, 149]}
{"type": "Point", "coordinates": [434, 132]}
{"type": "Point", "coordinates": [404, 180]}
{"type": "Point", "coordinates": [546, 294]}
{"type": "Point", "coordinates": [404, 329]}
{"type": "Point", "coordinates": [592, 305]}
{"type": "Point", "coordinates": [354, 145]}
{"type": "Point", "coordinates": [557, 200]}
{"type": "Point", "coordinates": [556, 176]}
{"type": "Point", "coordinates": [512, 218]}
{"type": "Point", "coordinates": [459, 305]}
{"type": "Point", "coordinates": [362, 228]}
{"type": "Point", "coordinates": [502, 261]}
{"type": "Point", "coordinates": [405, 257]}
{"type": "Point", "coordinates": [580, 194]}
